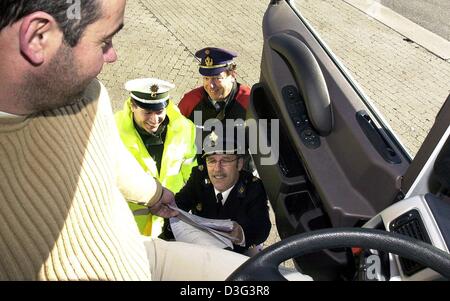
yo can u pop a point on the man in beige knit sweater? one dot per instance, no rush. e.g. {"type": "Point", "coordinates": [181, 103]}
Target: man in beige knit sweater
{"type": "Point", "coordinates": [64, 174]}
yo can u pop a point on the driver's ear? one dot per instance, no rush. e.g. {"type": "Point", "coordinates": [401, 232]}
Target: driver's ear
{"type": "Point", "coordinates": [39, 37]}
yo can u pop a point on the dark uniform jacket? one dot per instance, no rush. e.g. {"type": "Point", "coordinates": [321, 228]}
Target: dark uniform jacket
{"type": "Point", "coordinates": [246, 204]}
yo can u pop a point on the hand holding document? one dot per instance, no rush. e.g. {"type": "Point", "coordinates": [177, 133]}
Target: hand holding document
{"type": "Point", "coordinates": [191, 228]}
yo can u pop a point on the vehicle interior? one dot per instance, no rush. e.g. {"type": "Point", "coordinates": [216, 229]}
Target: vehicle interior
{"type": "Point", "coordinates": [349, 202]}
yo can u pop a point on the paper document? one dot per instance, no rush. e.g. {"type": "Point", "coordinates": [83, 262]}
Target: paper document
{"type": "Point", "coordinates": [199, 230]}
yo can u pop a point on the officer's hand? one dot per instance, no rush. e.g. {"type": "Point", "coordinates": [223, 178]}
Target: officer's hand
{"type": "Point", "coordinates": [237, 235]}
{"type": "Point", "coordinates": [161, 208]}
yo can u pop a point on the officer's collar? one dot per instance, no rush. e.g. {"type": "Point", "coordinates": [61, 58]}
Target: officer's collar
{"type": "Point", "coordinates": [225, 194]}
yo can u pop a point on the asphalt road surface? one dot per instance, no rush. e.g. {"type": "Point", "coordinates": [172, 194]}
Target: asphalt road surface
{"type": "Point", "coordinates": [433, 15]}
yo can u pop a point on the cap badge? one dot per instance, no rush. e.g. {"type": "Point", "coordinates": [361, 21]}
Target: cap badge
{"type": "Point", "coordinates": [153, 90]}
{"type": "Point", "coordinates": [213, 137]}
{"type": "Point", "coordinates": [207, 52]}
{"type": "Point", "coordinates": [199, 207]}
{"type": "Point", "coordinates": [209, 61]}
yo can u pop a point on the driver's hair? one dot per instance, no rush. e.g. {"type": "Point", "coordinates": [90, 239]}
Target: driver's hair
{"type": "Point", "coordinates": [12, 11]}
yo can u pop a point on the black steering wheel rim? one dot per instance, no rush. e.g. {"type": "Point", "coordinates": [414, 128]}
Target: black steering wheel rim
{"type": "Point", "coordinates": [264, 265]}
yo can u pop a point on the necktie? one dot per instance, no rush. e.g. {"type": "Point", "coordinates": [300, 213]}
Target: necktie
{"type": "Point", "coordinates": [219, 201]}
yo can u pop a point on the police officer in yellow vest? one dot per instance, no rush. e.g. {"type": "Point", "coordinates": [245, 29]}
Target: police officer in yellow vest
{"type": "Point", "coordinates": [160, 138]}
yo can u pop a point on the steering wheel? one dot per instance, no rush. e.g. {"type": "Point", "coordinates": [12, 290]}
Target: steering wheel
{"type": "Point", "coordinates": [264, 265]}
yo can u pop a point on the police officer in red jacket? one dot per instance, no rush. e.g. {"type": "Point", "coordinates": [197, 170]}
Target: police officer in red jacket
{"type": "Point", "coordinates": [221, 97]}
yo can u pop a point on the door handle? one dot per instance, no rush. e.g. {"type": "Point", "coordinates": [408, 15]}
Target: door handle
{"type": "Point", "coordinates": [309, 79]}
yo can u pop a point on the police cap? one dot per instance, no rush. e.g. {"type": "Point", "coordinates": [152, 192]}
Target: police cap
{"type": "Point", "coordinates": [149, 93]}
{"type": "Point", "coordinates": [214, 61]}
{"type": "Point", "coordinates": [224, 143]}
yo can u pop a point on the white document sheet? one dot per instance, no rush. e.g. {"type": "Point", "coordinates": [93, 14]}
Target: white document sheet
{"type": "Point", "coordinates": [191, 228]}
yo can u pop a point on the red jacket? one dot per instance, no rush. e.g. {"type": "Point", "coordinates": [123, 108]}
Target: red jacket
{"type": "Point", "coordinates": [197, 100]}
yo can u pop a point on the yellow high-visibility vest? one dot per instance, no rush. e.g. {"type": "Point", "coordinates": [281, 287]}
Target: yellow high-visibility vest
{"type": "Point", "coordinates": [177, 160]}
